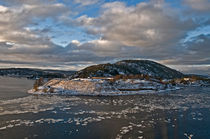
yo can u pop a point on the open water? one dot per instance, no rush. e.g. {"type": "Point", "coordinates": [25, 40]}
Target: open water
{"type": "Point", "coordinates": [180, 114]}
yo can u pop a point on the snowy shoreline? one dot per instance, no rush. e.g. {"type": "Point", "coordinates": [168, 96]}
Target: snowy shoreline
{"type": "Point", "coordinates": [102, 87]}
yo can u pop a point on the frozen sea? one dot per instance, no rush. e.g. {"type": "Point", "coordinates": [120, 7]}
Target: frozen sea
{"type": "Point", "coordinates": [180, 114]}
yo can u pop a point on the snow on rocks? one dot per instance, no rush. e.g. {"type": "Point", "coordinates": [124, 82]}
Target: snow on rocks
{"type": "Point", "coordinates": [101, 86]}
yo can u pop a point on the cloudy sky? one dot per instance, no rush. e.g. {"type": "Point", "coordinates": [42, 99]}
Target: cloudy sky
{"type": "Point", "coordinates": [72, 34]}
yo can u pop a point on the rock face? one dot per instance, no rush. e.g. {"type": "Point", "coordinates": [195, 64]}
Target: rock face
{"type": "Point", "coordinates": [129, 67]}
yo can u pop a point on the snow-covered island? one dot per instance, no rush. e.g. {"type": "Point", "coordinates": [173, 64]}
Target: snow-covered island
{"type": "Point", "coordinates": [126, 77]}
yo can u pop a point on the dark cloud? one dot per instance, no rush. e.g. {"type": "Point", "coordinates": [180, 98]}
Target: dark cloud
{"type": "Point", "coordinates": [196, 51]}
{"type": "Point", "coordinates": [198, 5]}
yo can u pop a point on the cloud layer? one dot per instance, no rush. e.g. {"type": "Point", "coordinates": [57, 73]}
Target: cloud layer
{"type": "Point", "coordinates": [149, 30]}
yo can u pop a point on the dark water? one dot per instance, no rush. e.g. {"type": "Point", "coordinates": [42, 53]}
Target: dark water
{"type": "Point", "coordinates": [173, 115]}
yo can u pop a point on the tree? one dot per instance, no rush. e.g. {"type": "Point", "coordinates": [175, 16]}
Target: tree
{"type": "Point", "coordinates": [38, 82]}
{"type": "Point", "coordinates": [35, 86]}
{"type": "Point", "coordinates": [147, 77]}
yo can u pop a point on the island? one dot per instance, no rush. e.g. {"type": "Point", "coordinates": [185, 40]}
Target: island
{"type": "Point", "coordinates": [126, 77]}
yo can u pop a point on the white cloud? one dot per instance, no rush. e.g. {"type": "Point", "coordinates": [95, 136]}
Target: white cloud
{"type": "Point", "coordinates": [15, 20]}
{"type": "Point", "coordinates": [86, 2]}
{"type": "Point", "coordinates": [3, 9]}
{"type": "Point", "coordinates": [144, 25]}
{"type": "Point", "coordinates": [76, 42]}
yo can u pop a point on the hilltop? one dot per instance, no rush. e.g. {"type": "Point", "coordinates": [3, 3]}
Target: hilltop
{"type": "Point", "coordinates": [129, 67]}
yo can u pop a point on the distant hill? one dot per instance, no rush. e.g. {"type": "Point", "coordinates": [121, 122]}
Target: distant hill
{"type": "Point", "coordinates": [197, 76]}
{"type": "Point", "coordinates": [129, 67]}
{"type": "Point", "coordinates": [35, 73]}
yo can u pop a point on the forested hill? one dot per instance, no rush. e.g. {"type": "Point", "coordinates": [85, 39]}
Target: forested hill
{"type": "Point", "coordinates": [35, 73]}
{"type": "Point", "coordinates": [129, 67]}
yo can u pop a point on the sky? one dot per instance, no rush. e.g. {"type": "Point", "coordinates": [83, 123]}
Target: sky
{"type": "Point", "coordinates": [73, 34]}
